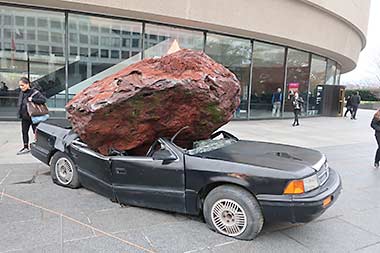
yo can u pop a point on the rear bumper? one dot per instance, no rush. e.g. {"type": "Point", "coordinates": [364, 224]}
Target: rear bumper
{"type": "Point", "coordinates": [40, 153]}
{"type": "Point", "coordinates": [303, 207]}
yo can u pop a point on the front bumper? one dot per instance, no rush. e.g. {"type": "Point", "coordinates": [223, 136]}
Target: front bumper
{"type": "Point", "coordinates": [304, 207]}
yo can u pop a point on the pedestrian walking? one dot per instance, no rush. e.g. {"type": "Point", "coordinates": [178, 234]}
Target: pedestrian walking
{"type": "Point", "coordinates": [297, 103]}
{"type": "Point", "coordinates": [276, 102]}
{"type": "Point", "coordinates": [355, 101]}
{"type": "Point", "coordinates": [375, 124]}
{"type": "Point", "coordinates": [27, 94]}
{"type": "Point", "coordinates": [348, 106]}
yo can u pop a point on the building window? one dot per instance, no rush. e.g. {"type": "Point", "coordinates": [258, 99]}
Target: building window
{"type": "Point", "coordinates": [104, 53]}
{"type": "Point", "coordinates": [42, 23]}
{"type": "Point", "coordinates": [135, 43]}
{"type": "Point", "coordinates": [55, 24]}
{"type": "Point", "coordinates": [100, 40]}
{"type": "Point", "coordinates": [94, 40]}
{"type": "Point", "coordinates": [174, 37]}
{"type": "Point", "coordinates": [31, 49]}
{"type": "Point", "coordinates": [126, 43]}
{"type": "Point", "coordinates": [46, 63]}
{"type": "Point", "coordinates": [83, 39]}
{"type": "Point", "coordinates": [8, 20]}
{"type": "Point", "coordinates": [317, 79]}
{"type": "Point", "coordinates": [31, 35]}
{"type": "Point", "coordinates": [43, 50]}
{"type": "Point", "coordinates": [57, 51]}
{"type": "Point", "coordinates": [234, 54]}
{"type": "Point", "coordinates": [267, 77]}
{"type": "Point", "coordinates": [56, 37]}
{"type": "Point", "coordinates": [330, 74]}
{"type": "Point", "coordinates": [297, 78]}
{"type": "Point", "coordinates": [115, 54]}
{"type": "Point", "coordinates": [20, 21]}
{"type": "Point", "coordinates": [83, 51]}
{"type": "Point", "coordinates": [337, 76]}
{"type": "Point", "coordinates": [73, 51]}
{"type": "Point", "coordinates": [43, 36]}
{"type": "Point", "coordinates": [94, 52]}
{"type": "Point", "coordinates": [30, 21]}
{"type": "Point", "coordinates": [73, 37]}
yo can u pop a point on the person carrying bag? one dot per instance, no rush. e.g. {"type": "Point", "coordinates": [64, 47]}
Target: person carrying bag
{"type": "Point", "coordinates": [37, 112]}
{"type": "Point", "coordinates": [32, 97]}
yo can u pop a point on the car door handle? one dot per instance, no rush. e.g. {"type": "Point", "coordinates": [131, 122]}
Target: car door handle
{"type": "Point", "coordinates": [121, 171]}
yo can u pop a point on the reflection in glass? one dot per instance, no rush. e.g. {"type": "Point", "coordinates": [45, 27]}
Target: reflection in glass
{"type": "Point", "coordinates": [104, 57]}
{"type": "Point", "coordinates": [297, 78]}
{"type": "Point", "coordinates": [337, 77]}
{"type": "Point", "coordinates": [234, 54]}
{"type": "Point", "coordinates": [330, 75]}
{"type": "Point", "coordinates": [267, 78]}
{"type": "Point", "coordinates": [36, 49]}
{"type": "Point", "coordinates": [317, 79]}
{"type": "Point", "coordinates": [159, 40]}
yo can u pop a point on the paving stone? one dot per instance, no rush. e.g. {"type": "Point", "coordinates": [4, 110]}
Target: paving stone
{"type": "Point", "coordinates": [183, 236]}
{"type": "Point", "coordinates": [331, 235]}
{"type": "Point", "coordinates": [274, 242]}
{"type": "Point", "coordinates": [367, 220]}
{"type": "Point", "coordinates": [124, 219]}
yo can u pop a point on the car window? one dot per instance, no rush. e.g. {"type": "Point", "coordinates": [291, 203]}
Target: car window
{"type": "Point", "coordinates": [209, 145]}
{"type": "Point", "coordinates": [155, 147]}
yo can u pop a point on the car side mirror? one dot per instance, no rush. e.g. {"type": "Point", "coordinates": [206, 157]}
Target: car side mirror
{"type": "Point", "coordinates": [164, 155]}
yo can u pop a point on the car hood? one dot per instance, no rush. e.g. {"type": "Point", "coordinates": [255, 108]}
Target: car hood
{"type": "Point", "coordinates": [270, 155]}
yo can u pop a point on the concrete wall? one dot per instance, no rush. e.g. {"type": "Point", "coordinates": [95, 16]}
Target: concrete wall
{"type": "Point", "coordinates": [332, 28]}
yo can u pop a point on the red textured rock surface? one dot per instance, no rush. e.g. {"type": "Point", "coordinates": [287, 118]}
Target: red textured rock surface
{"type": "Point", "coordinates": [155, 98]}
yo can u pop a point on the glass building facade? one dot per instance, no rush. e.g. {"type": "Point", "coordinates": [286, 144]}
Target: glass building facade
{"type": "Point", "coordinates": [64, 52]}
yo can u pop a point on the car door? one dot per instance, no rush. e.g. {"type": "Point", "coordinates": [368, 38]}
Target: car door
{"type": "Point", "coordinates": [149, 181]}
{"type": "Point", "coordinates": [93, 168]}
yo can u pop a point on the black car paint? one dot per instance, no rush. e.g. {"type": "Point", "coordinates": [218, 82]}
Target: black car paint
{"type": "Point", "coordinates": [180, 185]}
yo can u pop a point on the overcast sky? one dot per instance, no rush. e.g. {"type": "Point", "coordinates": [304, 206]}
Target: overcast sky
{"type": "Point", "coordinates": [366, 69]}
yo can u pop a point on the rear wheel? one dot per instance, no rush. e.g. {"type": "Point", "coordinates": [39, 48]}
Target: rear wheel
{"type": "Point", "coordinates": [233, 211]}
{"type": "Point", "coordinates": [63, 171]}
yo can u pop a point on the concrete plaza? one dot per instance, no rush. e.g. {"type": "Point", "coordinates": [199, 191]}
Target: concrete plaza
{"type": "Point", "coordinates": [39, 216]}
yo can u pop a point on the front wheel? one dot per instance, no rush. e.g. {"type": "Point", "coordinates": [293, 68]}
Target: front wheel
{"type": "Point", "coordinates": [233, 211]}
{"type": "Point", "coordinates": [63, 171]}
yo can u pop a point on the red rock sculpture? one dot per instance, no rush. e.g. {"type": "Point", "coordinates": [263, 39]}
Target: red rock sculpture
{"type": "Point", "coordinates": [155, 98]}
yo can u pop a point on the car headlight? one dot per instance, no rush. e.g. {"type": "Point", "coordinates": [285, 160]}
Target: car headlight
{"type": "Point", "coordinates": [303, 185]}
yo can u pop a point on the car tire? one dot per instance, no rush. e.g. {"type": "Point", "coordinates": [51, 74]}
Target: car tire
{"type": "Point", "coordinates": [232, 211]}
{"type": "Point", "coordinates": [63, 171]}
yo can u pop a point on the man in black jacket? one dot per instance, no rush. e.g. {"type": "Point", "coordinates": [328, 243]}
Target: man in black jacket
{"type": "Point", "coordinates": [27, 94]}
{"type": "Point", "coordinates": [355, 101]}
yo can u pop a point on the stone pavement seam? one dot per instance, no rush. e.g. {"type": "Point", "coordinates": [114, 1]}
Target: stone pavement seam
{"type": "Point", "coordinates": [9, 172]}
{"type": "Point", "coordinates": [147, 239]}
{"type": "Point", "coordinates": [291, 238]}
{"type": "Point", "coordinates": [365, 230]}
{"type": "Point", "coordinates": [367, 246]}
{"type": "Point", "coordinates": [79, 222]}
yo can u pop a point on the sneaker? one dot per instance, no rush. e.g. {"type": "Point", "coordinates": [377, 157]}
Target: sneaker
{"type": "Point", "coordinates": [23, 151]}
{"type": "Point", "coordinates": [376, 165]}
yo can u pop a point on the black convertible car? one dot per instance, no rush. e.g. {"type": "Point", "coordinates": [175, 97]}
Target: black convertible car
{"type": "Point", "coordinates": [236, 184]}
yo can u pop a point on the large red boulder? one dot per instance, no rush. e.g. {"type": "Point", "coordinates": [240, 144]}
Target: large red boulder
{"type": "Point", "coordinates": [155, 98]}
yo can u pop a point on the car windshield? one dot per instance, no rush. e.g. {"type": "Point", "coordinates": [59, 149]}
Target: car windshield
{"type": "Point", "coordinates": [208, 145]}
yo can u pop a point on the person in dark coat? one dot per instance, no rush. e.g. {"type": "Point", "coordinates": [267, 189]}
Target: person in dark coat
{"type": "Point", "coordinates": [375, 124]}
{"type": "Point", "coordinates": [355, 101]}
{"type": "Point", "coordinates": [27, 94]}
{"type": "Point", "coordinates": [297, 103]}
{"type": "Point", "coordinates": [348, 106]}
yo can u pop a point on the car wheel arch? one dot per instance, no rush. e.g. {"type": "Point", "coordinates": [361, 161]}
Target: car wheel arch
{"type": "Point", "coordinates": [51, 154]}
{"type": "Point", "coordinates": [202, 194]}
